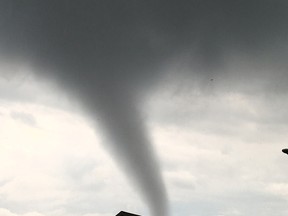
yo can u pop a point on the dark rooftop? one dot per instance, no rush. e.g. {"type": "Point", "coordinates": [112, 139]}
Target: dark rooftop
{"type": "Point", "coordinates": [123, 213]}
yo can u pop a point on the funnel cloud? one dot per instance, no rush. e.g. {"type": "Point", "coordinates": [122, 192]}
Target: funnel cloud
{"type": "Point", "coordinates": [108, 54]}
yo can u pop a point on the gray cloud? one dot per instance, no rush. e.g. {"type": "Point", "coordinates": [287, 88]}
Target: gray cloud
{"type": "Point", "coordinates": [24, 118]}
{"type": "Point", "coordinates": [106, 53]}
{"type": "Point", "coordinates": [4, 182]}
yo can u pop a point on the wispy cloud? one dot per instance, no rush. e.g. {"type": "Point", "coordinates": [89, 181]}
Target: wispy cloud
{"type": "Point", "coordinates": [25, 118]}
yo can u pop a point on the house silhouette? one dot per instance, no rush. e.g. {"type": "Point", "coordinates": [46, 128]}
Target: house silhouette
{"type": "Point", "coordinates": [123, 213]}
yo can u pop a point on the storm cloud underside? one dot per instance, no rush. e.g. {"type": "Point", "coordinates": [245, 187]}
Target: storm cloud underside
{"type": "Point", "coordinates": [109, 53]}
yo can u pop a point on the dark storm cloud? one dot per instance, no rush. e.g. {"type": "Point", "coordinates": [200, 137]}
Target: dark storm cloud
{"type": "Point", "coordinates": [106, 53]}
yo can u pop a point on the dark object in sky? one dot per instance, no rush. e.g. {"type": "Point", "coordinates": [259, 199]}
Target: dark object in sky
{"type": "Point", "coordinates": [285, 151]}
{"type": "Point", "coordinates": [123, 213]}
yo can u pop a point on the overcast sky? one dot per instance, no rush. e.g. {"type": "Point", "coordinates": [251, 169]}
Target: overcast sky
{"type": "Point", "coordinates": [150, 107]}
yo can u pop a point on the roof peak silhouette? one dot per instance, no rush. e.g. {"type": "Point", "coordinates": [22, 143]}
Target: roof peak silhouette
{"type": "Point", "coordinates": [123, 213]}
